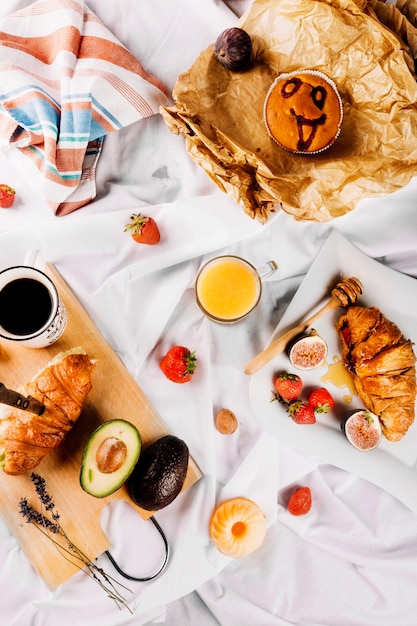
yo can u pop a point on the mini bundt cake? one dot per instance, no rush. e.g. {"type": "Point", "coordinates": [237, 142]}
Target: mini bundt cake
{"type": "Point", "coordinates": [303, 111]}
{"type": "Point", "coordinates": [237, 527]}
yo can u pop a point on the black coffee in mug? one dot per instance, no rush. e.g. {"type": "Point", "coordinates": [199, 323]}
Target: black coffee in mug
{"type": "Point", "coordinates": [25, 306]}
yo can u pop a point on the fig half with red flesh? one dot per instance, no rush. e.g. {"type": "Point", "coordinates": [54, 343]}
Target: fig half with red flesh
{"type": "Point", "coordinates": [308, 351]}
{"type": "Point", "coordinates": [362, 429]}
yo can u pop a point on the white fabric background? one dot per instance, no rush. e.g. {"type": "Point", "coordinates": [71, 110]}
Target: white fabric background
{"type": "Point", "coordinates": [352, 561]}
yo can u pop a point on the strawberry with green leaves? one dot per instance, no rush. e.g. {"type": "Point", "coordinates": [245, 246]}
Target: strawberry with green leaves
{"type": "Point", "coordinates": [302, 412]}
{"type": "Point", "coordinates": [322, 400]}
{"type": "Point", "coordinates": [288, 386]}
{"type": "Point", "coordinates": [143, 229]}
{"type": "Point", "coordinates": [7, 196]}
{"type": "Point", "coordinates": [179, 364]}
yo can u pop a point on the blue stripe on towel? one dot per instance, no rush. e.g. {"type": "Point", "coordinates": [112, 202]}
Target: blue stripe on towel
{"type": "Point", "coordinates": [106, 113]}
{"type": "Point", "coordinates": [35, 115]}
{"type": "Point", "coordinates": [11, 95]}
{"type": "Point", "coordinates": [51, 168]}
{"type": "Point", "coordinates": [30, 114]}
{"type": "Point", "coordinates": [72, 124]}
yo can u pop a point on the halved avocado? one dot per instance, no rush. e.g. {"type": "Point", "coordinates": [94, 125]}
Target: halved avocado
{"type": "Point", "coordinates": [109, 457]}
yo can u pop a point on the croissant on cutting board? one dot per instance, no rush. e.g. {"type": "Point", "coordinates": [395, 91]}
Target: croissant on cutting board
{"type": "Point", "coordinates": [62, 386]}
{"type": "Point", "coordinates": [382, 364]}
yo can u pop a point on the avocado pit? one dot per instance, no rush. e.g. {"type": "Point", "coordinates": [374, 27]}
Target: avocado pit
{"type": "Point", "coordinates": [110, 455]}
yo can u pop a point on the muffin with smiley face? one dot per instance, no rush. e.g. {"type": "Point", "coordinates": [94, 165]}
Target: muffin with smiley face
{"type": "Point", "coordinates": [303, 111]}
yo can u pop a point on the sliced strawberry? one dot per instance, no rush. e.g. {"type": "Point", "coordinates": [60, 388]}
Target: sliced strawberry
{"type": "Point", "coordinates": [7, 196]}
{"type": "Point", "coordinates": [322, 400]}
{"type": "Point", "coordinates": [143, 229]}
{"type": "Point", "coordinates": [179, 364]}
{"type": "Point", "coordinates": [302, 412]}
{"type": "Point", "coordinates": [300, 501]}
{"type": "Point", "coordinates": [288, 386]}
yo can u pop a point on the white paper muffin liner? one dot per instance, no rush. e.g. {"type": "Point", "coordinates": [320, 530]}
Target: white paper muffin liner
{"type": "Point", "coordinates": [286, 75]}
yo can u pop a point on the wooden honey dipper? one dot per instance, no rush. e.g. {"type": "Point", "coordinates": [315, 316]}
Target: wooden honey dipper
{"type": "Point", "coordinates": [344, 293]}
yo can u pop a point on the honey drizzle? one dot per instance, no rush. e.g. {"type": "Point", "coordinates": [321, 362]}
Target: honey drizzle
{"type": "Point", "coordinates": [338, 375]}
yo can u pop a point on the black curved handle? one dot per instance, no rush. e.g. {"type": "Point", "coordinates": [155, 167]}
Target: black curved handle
{"type": "Point", "coordinates": [161, 568]}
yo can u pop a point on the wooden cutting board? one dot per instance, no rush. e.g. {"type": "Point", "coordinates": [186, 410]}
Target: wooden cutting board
{"type": "Point", "coordinates": [114, 393]}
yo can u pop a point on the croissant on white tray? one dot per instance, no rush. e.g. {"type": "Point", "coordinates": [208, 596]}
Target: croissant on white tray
{"type": "Point", "coordinates": [382, 364]}
{"type": "Point", "coordinates": [62, 386]}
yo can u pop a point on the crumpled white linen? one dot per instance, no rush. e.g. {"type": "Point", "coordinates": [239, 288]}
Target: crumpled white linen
{"type": "Point", "coordinates": [351, 561]}
{"type": "Point", "coordinates": [142, 301]}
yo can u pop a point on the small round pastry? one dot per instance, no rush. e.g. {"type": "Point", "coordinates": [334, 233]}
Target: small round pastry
{"type": "Point", "coordinates": [237, 527]}
{"type": "Point", "coordinates": [303, 111]}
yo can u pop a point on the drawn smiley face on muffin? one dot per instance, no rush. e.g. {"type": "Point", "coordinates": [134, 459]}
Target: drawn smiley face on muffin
{"type": "Point", "coordinates": [305, 104]}
{"type": "Point", "coordinates": [305, 111]}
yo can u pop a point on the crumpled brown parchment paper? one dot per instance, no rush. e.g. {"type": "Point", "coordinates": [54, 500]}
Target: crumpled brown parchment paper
{"type": "Point", "coordinates": [370, 55]}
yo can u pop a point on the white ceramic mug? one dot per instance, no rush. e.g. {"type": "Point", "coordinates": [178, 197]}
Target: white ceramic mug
{"type": "Point", "coordinates": [31, 311]}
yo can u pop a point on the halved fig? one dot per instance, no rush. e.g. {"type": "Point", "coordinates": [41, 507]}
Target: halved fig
{"type": "Point", "coordinates": [307, 351]}
{"type": "Point", "coordinates": [362, 429]}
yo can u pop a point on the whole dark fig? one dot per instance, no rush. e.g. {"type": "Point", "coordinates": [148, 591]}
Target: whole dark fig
{"type": "Point", "coordinates": [233, 49]}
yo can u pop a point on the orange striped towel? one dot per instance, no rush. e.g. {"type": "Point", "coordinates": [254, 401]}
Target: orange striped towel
{"type": "Point", "coordinates": [65, 83]}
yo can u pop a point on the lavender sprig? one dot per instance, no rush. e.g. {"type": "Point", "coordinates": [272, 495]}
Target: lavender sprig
{"type": "Point", "coordinates": [72, 552]}
{"type": "Point", "coordinates": [40, 488]}
{"type": "Point", "coordinates": [32, 515]}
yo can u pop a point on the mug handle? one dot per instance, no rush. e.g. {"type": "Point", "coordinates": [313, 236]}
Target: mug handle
{"type": "Point", "coordinates": [34, 259]}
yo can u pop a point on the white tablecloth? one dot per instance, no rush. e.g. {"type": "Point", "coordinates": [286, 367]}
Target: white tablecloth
{"type": "Point", "coordinates": [353, 560]}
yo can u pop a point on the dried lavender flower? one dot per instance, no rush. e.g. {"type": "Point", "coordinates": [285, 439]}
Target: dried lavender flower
{"type": "Point", "coordinates": [40, 488]}
{"type": "Point", "coordinates": [32, 515]}
{"type": "Point", "coordinates": [72, 552]}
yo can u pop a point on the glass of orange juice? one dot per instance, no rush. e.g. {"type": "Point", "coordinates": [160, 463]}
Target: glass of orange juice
{"type": "Point", "coordinates": [228, 288]}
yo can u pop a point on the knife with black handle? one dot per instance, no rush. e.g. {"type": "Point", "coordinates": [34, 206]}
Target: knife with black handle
{"type": "Point", "coordinates": [15, 399]}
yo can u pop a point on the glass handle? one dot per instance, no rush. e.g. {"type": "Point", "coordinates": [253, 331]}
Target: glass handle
{"type": "Point", "coordinates": [267, 268]}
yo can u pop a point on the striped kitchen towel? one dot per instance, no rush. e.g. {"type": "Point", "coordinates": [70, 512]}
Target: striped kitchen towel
{"type": "Point", "coordinates": [65, 83]}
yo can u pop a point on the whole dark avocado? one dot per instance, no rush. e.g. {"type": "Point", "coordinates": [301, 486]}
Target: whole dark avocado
{"type": "Point", "coordinates": [159, 474]}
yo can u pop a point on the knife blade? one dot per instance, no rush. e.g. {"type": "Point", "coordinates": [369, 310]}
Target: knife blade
{"type": "Point", "coordinates": [15, 399]}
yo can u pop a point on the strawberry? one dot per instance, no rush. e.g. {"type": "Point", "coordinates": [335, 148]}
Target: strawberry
{"type": "Point", "coordinates": [143, 229]}
{"type": "Point", "coordinates": [289, 386]}
{"type": "Point", "coordinates": [300, 501]}
{"type": "Point", "coordinates": [179, 364]}
{"type": "Point", "coordinates": [321, 400]}
{"type": "Point", "coordinates": [302, 412]}
{"type": "Point", "coordinates": [7, 196]}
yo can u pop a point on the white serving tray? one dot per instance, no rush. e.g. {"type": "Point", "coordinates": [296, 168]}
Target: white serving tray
{"type": "Point", "coordinates": [392, 466]}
